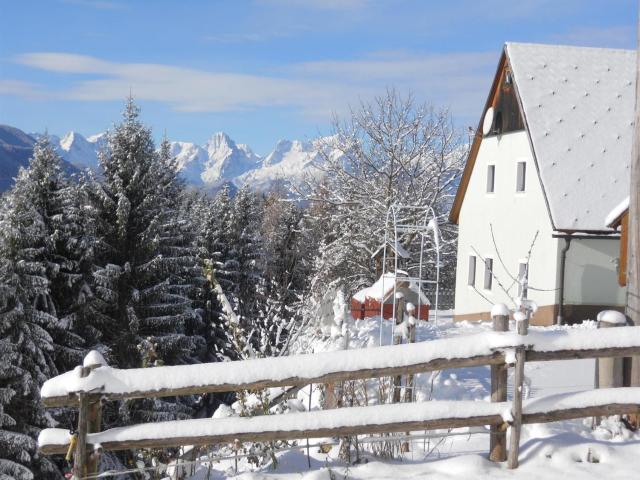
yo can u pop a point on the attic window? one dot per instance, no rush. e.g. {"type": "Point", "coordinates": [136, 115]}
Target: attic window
{"type": "Point", "coordinates": [508, 80]}
{"type": "Point", "coordinates": [497, 123]}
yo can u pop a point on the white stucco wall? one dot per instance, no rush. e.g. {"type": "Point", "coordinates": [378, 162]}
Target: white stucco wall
{"type": "Point", "coordinates": [515, 218]}
{"type": "Point", "coordinates": [591, 275]}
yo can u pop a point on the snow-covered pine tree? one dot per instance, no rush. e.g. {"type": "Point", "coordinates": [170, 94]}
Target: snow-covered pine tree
{"type": "Point", "coordinates": [178, 242]}
{"type": "Point", "coordinates": [28, 324]}
{"type": "Point", "coordinates": [140, 274]}
{"type": "Point", "coordinates": [215, 241]}
{"type": "Point", "coordinates": [72, 242]}
{"type": "Point", "coordinates": [245, 250]}
{"type": "Point", "coordinates": [197, 209]}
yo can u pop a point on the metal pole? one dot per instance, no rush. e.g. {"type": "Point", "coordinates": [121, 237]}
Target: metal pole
{"type": "Point", "coordinates": [395, 273]}
{"type": "Point", "coordinates": [384, 270]}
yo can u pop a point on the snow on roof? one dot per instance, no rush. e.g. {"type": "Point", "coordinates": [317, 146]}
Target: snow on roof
{"type": "Point", "coordinates": [578, 104]}
{"type": "Point", "coordinates": [379, 290]}
{"type": "Point", "coordinates": [615, 214]}
{"type": "Point", "coordinates": [383, 287]}
{"type": "Point", "coordinates": [402, 252]}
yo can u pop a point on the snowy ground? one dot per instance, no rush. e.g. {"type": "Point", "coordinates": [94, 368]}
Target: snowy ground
{"type": "Point", "coordinates": [568, 449]}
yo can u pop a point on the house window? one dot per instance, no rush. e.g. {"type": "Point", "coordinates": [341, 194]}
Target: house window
{"type": "Point", "coordinates": [472, 270]}
{"type": "Point", "coordinates": [522, 176]}
{"type": "Point", "coordinates": [522, 272]}
{"type": "Point", "coordinates": [491, 178]}
{"type": "Point", "coordinates": [488, 277]}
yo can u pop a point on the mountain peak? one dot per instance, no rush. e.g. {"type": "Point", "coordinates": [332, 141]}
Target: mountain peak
{"type": "Point", "coordinates": [220, 139]}
{"type": "Point", "coordinates": [67, 141]}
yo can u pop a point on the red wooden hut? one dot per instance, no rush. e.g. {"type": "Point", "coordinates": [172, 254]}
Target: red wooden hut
{"type": "Point", "coordinates": [366, 302]}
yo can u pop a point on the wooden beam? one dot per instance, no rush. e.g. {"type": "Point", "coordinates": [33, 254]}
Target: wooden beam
{"type": "Point", "coordinates": [443, 423]}
{"type": "Point", "coordinates": [497, 358]}
{"type": "Point", "coordinates": [437, 364]}
{"type": "Point", "coordinates": [536, 356]}
{"type": "Point", "coordinates": [475, 145]}
{"type": "Point", "coordinates": [584, 412]}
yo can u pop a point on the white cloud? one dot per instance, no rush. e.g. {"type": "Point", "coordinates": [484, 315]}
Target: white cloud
{"type": "Point", "coordinates": [21, 89]}
{"type": "Point", "coordinates": [314, 88]}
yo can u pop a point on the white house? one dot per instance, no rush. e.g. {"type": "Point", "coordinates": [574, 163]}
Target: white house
{"type": "Point", "coordinates": [551, 158]}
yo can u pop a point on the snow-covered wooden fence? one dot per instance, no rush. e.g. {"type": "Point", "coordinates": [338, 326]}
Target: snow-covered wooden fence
{"type": "Point", "coordinates": [95, 382]}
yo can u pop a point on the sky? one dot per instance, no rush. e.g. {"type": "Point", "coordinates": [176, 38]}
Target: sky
{"type": "Point", "coordinates": [264, 70]}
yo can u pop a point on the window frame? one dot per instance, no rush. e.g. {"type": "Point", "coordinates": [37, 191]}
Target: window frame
{"type": "Point", "coordinates": [521, 176]}
{"type": "Point", "coordinates": [488, 275]}
{"type": "Point", "coordinates": [491, 178]}
{"type": "Point", "coordinates": [471, 271]}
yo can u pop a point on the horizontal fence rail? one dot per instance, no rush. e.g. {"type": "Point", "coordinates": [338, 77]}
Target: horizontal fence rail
{"type": "Point", "coordinates": [490, 348]}
{"type": "Point", "coordinates": [351, 421]}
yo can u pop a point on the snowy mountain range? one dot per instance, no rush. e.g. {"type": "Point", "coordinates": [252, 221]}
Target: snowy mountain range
{"type": "Point", "coordinates": [219, 161]}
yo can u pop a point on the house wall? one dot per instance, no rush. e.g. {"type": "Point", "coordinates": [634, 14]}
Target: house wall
{"type": "Point", "coordinates": [515, 218]}
{"type": "Point", "coordinates": [591, 274]}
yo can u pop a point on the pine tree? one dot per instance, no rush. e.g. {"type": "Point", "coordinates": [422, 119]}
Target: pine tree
{"type": "Point", "coordinates": [72, 241]}
{"type": "Point", "coordinates": [141, 280]}
{"type": "Point", "coordinates": [28, 324]}
{"type": "Point", "coordinates": [245, 250]}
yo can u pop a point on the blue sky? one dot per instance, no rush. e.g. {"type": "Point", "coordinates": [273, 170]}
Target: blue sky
{"type": "Point", "coordinates": [262, 70]}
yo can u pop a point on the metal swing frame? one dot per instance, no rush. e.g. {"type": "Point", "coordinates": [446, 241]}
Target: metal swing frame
{"type": "Point", "coordinates": [391, 231]}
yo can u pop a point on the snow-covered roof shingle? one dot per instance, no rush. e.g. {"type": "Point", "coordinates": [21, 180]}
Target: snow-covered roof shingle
{"type": "Point", "coordinates": [578, 105]}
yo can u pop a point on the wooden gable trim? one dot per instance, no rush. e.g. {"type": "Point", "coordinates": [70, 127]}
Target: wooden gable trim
{"type": "Point", "coordinates": [477, 140]}
{"type": "Point", "coordinates": [624, 249]}
{"type": "Point", "coordinates": [618, 220]}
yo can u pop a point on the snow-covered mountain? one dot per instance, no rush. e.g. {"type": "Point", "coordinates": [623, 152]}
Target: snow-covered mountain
{"type": "Point", "coordinates": [289, 162]}
{"type": "Point", "coordinates": [79, 151]}
{"type": "Point", "coordinates": [219, 161]}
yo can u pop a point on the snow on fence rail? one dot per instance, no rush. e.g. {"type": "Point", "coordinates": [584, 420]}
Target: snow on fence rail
{"type": "Point", "coordinates": [473, 350]}
{"type": "Point", "coordinates": [351, 421]}
{"type": "Point", "coordinates": [88, 385]}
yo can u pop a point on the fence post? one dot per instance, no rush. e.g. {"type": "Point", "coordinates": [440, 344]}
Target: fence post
{"type": "Point", "coordinates": [80, 461]}
{"type": "Point", "coordinates": [89, 419]}
{"type": "Point", "coordinates": [610, 370]}
{"type": "Point", "coordinates": [411, 333]}
{"type": "Point", "coordinates": [522, 325]}
{"type": "Point", "coordinates": [397, 339]}
{"type": "Point", "coordinates": [499, 374]}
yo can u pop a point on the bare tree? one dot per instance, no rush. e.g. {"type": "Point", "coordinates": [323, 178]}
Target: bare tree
{"type": "Point", "coordinates": [389, 151]}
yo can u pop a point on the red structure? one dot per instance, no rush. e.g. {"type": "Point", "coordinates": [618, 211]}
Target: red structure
{"type": "Point", "coordinates": [366, 303]}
